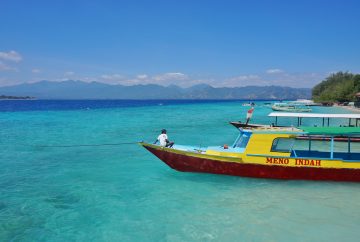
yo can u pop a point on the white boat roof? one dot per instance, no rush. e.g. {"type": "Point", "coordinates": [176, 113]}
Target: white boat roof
{"type": "Point", "coordinates": [315, 115]}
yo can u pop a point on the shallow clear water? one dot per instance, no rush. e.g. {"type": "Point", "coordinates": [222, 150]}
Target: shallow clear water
{"type": "Point", "coordinates": [124, 193]}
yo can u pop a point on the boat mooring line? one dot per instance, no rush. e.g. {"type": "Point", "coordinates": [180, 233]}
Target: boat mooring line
{"type": "Point", "coordinates": [82, 145]}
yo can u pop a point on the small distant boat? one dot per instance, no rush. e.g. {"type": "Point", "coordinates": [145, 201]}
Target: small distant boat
{"type": "Point", "coordinates": [248, 104]}
{"type": "Point", "coordinates": [306, 102]}
{"type": "Point", "coordinates": [289, 107]}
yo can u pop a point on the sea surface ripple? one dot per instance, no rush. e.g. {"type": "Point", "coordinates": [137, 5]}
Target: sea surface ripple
{"type": "Point", "coordinates": [124, 193]}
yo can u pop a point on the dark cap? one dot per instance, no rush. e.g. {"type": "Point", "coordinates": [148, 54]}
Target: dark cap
{"type": "Point", "coordinates": [163, 131]}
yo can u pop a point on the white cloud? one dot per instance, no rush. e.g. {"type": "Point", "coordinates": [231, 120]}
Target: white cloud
{"type": "Point", "coordinates": [274, 71]}
{"type": "Point", "coordinates": [5, 67]}
{"type": "Point", "coordinates": [302, 79]}
{"type": "Point", "coordinates": [112, 77]}
{"type": "Point", "coordinates": [8, 82]}
{"type": "Point", "coordinates": [121, 79]}
{"type": "Point", "coordinates": [11, 56]}
{"type": "Point", "coordinates": [69, 73]}
{"type": "Point", "coordinates": [165, 79]}
{"type": "Point", "coordinates": [35, 70]}
{"type": "Point", "coordinates": [142, 76]}
{"type": "Point", "coordinates": [134, 81]}
{"type": "Point", "coordinates": [6, 57]}
{"type": "Point", "coordinates": [243, 80]}
{"type": "Point", "coordinates": [193, 82]}
{"type": "Point", "coordinates": [184, 80]}
{"type": "Point", "coordinates": [297, 80]}
{"type": "Point", "coordinates": [171, 76]}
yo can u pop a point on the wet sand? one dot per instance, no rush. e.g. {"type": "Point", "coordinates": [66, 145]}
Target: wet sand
{"type": "Point", "coordinates": [350, 108]}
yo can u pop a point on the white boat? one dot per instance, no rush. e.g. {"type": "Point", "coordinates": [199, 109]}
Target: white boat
{"type": "Point", "coordinates": [290, 107]}
{"type": "Point", "coordinates": [305, 102]}
{"type": "Point", "coordinates": [248, 104]}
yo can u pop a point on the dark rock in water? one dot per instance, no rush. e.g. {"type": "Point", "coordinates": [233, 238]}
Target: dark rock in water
{"type": "Point", "coordinates": [62, 206]}
{"type": "Point", "coordinates": [65, 201]}
{"type": "Point", "coordinates": [2, 205]}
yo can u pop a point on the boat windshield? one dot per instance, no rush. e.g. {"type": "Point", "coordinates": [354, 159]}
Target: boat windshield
{"type": "Point", "coordinates": [242, 140]}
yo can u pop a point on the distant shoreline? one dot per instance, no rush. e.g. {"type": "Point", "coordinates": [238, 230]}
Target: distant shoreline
{"type": "Point", "coordinates": [4, 97]}
{"type": "Point", "coordinates": [20, 99]}
{"type": "Point", "coordinates": [350, 108]}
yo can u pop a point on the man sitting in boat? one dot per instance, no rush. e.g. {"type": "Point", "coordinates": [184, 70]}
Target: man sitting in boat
{"type": "Point", "coordinates": [163, 140]}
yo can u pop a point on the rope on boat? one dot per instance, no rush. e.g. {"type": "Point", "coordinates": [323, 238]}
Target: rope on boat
{"type": "Point", "coordinates": [83, 145]}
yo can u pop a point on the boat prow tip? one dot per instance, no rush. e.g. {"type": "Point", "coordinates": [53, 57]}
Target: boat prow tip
{"type": "Point", "coordinates": [145, 144]}
{"type": "Point", "coordinates": [141, 143]}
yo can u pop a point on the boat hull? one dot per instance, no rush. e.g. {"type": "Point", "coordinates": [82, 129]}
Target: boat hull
{"type": "Point", "coordinates": [285, 109]}
{"type": "Point", "coordinates": [188, 163]}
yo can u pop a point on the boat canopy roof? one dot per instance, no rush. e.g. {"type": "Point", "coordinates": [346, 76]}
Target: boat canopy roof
{"type": "Point", "coordinates": [315, 115]}
{"type": "Point", "coordinates": [339, 131]}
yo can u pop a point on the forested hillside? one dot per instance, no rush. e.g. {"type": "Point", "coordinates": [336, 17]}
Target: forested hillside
{"type": "Point", "coordinates": [338, 87]}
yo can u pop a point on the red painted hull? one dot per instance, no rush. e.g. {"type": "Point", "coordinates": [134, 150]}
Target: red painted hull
{"type": "Point", "coordinates": [194, 164]}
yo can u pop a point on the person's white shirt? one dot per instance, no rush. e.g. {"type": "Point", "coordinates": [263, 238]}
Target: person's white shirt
{"type": "Point", "coordinates": [162, 139]}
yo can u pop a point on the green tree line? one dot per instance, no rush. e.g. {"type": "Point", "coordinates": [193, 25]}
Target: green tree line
{"type": "Point", "coordinates": [338, 87]}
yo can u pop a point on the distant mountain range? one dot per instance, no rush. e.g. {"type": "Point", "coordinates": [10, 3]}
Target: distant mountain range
{"type": "Point", "coordinates": [96, 90]}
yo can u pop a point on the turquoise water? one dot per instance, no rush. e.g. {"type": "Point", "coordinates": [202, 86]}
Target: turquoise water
{"type": "Point", "coordinates": [124, 193]}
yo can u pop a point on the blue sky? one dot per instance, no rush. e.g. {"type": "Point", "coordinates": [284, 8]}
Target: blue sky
{"type": "Point", "coordinates": [222, 43]}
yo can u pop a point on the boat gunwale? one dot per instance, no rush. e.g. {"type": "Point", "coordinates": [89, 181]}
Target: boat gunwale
{"type": "Point", "coordinates": [195, 154]}
{"type": "Point", "coordinates": [241, 160]}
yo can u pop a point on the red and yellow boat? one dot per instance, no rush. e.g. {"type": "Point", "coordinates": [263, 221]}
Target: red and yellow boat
{"type": "Point", "coordinates": [273, 152]}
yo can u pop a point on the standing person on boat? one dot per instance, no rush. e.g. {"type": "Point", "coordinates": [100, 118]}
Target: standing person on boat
{"type": "Point", "coordinates": [163, 140]}
{"type": "Point", "coordinates": [249, 114]}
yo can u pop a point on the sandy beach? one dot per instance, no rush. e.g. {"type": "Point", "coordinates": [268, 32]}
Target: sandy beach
{"type": "Point", "coordinates": [350, 108]}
